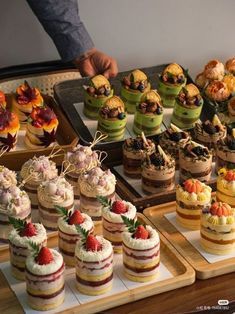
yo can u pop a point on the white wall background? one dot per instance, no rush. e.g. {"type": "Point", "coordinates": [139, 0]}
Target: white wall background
{"type": "Point", "coordinates": [136, 32]}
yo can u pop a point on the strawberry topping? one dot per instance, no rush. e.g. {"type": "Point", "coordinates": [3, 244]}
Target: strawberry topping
{"type": "Point", "coordinates": [92, 244]}
{"type": "Point", "coordinates": [44, 256]}
{"type": "Point", "coordinates": [76, 218]}
{"type": "Point", "coordinates": [28, 231]}
{"type": "Point", "coordinates": [119, 207]}
{"type": "Point", "coordinates": [141, 233]}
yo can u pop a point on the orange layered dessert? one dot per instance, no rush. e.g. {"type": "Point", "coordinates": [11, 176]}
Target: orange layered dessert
{"type": "Point", "coordinates": [226, 186]}
{"type": "Point", "coordinates": [9, 127]}
{"type": "Point", "coordinates": [218, 229]}
{"type": "Point", "coordinates": [2, 100]}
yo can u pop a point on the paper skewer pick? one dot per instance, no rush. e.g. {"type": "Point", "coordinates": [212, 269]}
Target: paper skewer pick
{"type": "Point", "coordinates": [3, 150]}
{"type": "Point", "coordinates": [144, 139]}
{"type": "Point", "coordinates": [98, 138]}
{"type": "Point", "coordinates": [56, 153]}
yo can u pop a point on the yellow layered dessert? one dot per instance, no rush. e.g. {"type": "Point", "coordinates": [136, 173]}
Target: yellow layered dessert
{"type": "Point", "coordinates": [226, 186]}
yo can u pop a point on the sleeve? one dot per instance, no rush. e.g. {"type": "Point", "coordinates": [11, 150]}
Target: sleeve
{"type": "Point", "coordinates": [61, 21]}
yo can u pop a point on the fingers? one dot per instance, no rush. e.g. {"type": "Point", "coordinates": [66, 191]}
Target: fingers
{"type": "Point", "coordinates": [112, 70]}
{"type": "Point", "coordinates": [86, 68]}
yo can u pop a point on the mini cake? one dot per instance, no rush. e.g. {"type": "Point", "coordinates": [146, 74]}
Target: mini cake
{"type": "Point", "coordinates": [19, 238]}
{"type": "Point", "coordinates": [149, 114]}
{"type": "Point", "coordinates": [68, 234]}
{"type": "Point", "coordinates": [93, 183]}
{"type": "Point", "coordinates": [195, 161]}
{"type": "Point", "coordinates": [229, 80]}
{"type": "Point", "coordinates": [225, 151]}
{"type": "Point", "coordinates": [218, 229]}
{"type": "Point", "coordinates": [55, 192]}
{"type": "Point", "coordinates": [41, 128]}
{"type": "Point", "coordinates": [208, 133]}
{"type": "Point", "coordinates": [230, 66]}
{"type": "Point", "coordinates": [217, 91]}
{"type": "Point", "coordinates": [133, 87]}
{"type": "Point", "coordinates": [191, 198]}
{"type": "Point", "coordinates": [9, 127]}
{"type": "Point", "coordinates": [225, 191]}
{"type": "Point", "coordinates": [96, 95]}
{"type": "Point", "coordinates": [112, 119]}
{"type": "Point", "coordinates": [134, 150]}
{"type": "Point", "coordinates": [201, 81]}
{"type": "Point", "coordinates": [7, 178]}
{"type": "Point", "coordinates": [44, 278]}
{"type": "Point", "coordinates": [171, 82]}
{"type": "Point", "coordinates": [13, 203]}
{"type": "Point", "coordinates": [141, 251]}
{"type": "Point", "coordinates": [82, 158]}
{"type": "Point", "coordinates": [188, 107]}
{"type": "Point", "coordinates": [24, 100]}
{"type": "Point", "coordinates": [112, 221]}
{"type": "Point", "coordinates": [231, 109]}
{"type": "Point", "coordinates": [34, 172]}
{"type": "Point", "coordinates": [94, 264]}
{"type": "Point", "coordinates": [172, 139]}
{"type": "Point", "coordinates": [158, 172]}
{"type": "Point", "coordinates": [214, 70]}
{"type": "Point", "coordinates": [2, 100]}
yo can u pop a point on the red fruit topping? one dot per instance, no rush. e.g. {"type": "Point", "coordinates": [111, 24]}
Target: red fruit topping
{"type": "Point", "coordinates": [92, 244]}
{"type": "Point", "coordinates": [28, 231]}
{"type": "Point", "coordinates": [119, 207]}
{"type": "Point", "coordinates": [220, 209]}
{"type": "Point", "coordinates": [44, 256]}
{"type": "Point", "coordinates": [230, 175]}
{"type": "Point", "coordinates": [193, 186]}
{"type": "Point", "coordinates": [141, 233]}
{"type": "Point", "coordinates": [76, 218]}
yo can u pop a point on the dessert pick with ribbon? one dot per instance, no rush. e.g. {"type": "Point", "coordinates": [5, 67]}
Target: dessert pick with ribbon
{"type": "Point", "coordinates": [3, 150]}
{"type": "Point", "coordinates": [30, 176]}
{"type": "Point", "coordinates": [66, 168]}
{"type": "Point", "coordinates": [56, 153]}
{"type": "Point", "coordinates": [98, 138]}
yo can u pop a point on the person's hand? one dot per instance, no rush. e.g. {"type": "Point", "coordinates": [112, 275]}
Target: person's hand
{"type": "Point", "coordinates": [96, 62]}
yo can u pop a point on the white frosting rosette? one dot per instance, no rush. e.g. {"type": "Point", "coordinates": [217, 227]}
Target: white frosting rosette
{"type": "Point", "coordinates": [7, 178]}
{"type": "Point", "coordinates": [71, 229]}
{"type": "Point", "coordinates": [117, 218]}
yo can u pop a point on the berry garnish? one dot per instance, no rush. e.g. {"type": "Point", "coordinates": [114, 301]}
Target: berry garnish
{"type": "Point", "coordinates": [119, 207]}
{"type": "Point", "coordinates": [230, 175]}
{"type": "Point", "coordinates": [76, 218]}
{"type": "Point", "coordinates": [92, 244]}
{"type": "Point", "coordinates": [157, 160]}
{"type": "Point", "coordinates": [141, 233]}
{"type": "Point", "coordinates": [199, 151]}
{"type": "Point", "coordinates": [176, 136]}
{"type": "Point", "coordinates": [23, 228]}
{"type": "Point", "coordinates": [44, 256]}
{"type": "Point", "coordinates": [137, 144]}
{"type": "Point", "coordinates": [209, 128]}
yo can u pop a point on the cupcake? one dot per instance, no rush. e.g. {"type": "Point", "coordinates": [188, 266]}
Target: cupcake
{"type": "Point", "coordinates": [13, 203]}
{"type": "Point", "coordinates": [217, 91]}
{"type": "Point", "coordinates": [68, 234]}
{"type": "Point", "coordinates": [112, 221]}
{"type": "Point", "coordinates": [171, 82]}
{"type": "Point", "coordinates": [225, 151]}
{"type": "Point", "coordinates": [7, 178]}
{"type": "Point", "coordinates": [19, 238]}
{"type": "Point", "coordinates": [214, 70]}
{"type": "Point", "coordinates": [172, 140]}
{"type": "Point", "coordinates": [158, 172]}
{"type": "Point", "coordinates": [133, 86]}
{"type": "Point", "coordinates": [134, 151]}
{"type": "Point", "coordinates": [218, 229]}
{"type": "Point", "coordinates": [192, 197]}
{"type": "Point", "coordinates": [195, 161]}
{"type": "Point", "coordinates": [55, 192]}
{"type": "Point", "coordinates": [225, 191]}
{"type": "Point", "coordinates": [96, 94]}
{"type": "Point", "coordinates": [112, 119]}
{"type": "Point", "coordinates": [94, 264]}
{"type": "Point", "coordinates": [149, 114]}
{"type": "Point", "coordinates": [81, 158]}
{"type": "Point", "coordinates": [93, 183]}
{"type": "Point", "coordinates": [141, 251]}
{"type": "Point", "coordinates": [41, 128]}
{"type": "Point", "coordinates": [9, 127]}
{"type": "Point", "coordinates": [230, 66]}
{"type": "Point", "coordinates": [188, 107]}
{"type": "Point", "coordinates": [24, 100]}
{"type": "Point", "coordinates": [44, 275]}
{"type": "Point", "coordinates": [2, 100]}
{"type": "Point", "coordinates": [231, 109]}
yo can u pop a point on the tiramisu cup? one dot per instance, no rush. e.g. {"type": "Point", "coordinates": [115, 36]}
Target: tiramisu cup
{"type": "Point", "coordinates": [225, 151]}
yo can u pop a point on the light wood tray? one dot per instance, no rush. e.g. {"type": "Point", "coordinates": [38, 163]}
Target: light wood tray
{"type": "Point", "coordinates": [203, 268]}
{"type": "Point", "coordinates": [182, 272]}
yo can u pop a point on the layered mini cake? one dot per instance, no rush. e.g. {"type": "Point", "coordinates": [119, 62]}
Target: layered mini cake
{"type": "Point", "coordinates": [141, 251]}
{"type": "Point", "coordinates": [214, 70]}
{"type": "Point", "coordinates": [7, 178]}
{"type": "Point", "coordinates": [226, 186]}
{"type": "Point", "coordinates": [217, 91]}
{"type": "Point", "coordinates": [133, 86]}
{"type": "Point", "coordinates": [24, 100]}
{"type": "Point", "coordinates": [9, 127]}
{"type": "Point", "coordinates": [192, 197]}
{"type": "Point", "coordinates": [188, 107]}
{"type": "Point", "coordinates": [44, 278]}
{"type": "Point", "coordinates": [112, 119]}
{"type": "Point", "coordinates": [134, 151]}
{"type": "Point", "coordinates": [218, 229]}
{"type": "Point", "coordinates": [195, 161]}
{"type": "Point", "coordinates": [172, 140]}
{"type": "Point", "coordinates": [2, 100]}
{"type": "Point", "coordinates": [112, 221]}
{"type": "Point", "coordinates": [68, 234]}
{"type": "Point", "coordinates": [158, 172]}
{"type": "Point", "coordinates": [19, 238]}
{"type": "Point", "coordinates": [34, 172]}
{"type": "Point", "coordinates": [56, 192]}
{"type": "Point", "coordinates": [15, 203]}
{"type": "Point", "coordinates": [41, 128]}
{"type": "Point", "coordinates": [96, 94]}
{"type": "Point", "coordinates": [149, 114]}
{"type": "Point", "coordinates": [225, 151]}
{"type": "Point", "coordinates": [230, 66]}
{"type": "Point", "coordinates": [94, 264]}
{"type": "Point", "coordinates": [231, 109]}
{"type": "Point", "coordinates": [171, 82]}
{"type": "Point", "coordinates": [93, 183]}
{"type": "Point", "coordinates": [208, 133]}
{"type": "Point", "coordinates": [82, 158]}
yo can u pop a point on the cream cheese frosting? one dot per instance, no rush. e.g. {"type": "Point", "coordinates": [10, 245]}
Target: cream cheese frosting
{"type": "Point", "coordinates": [7, 178]}
{"type": "Point", "coordinates": [71, 229]}
{"type": "Point", "coordinates": [111, 216]}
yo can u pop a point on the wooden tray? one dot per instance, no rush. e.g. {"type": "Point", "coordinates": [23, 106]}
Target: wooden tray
{"type": "Point", "coordinates": [203, 268]}
{"type": "Point", "coordinates": [183, 275]}
{"type": "Point", "coordinates": [66, 138]}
